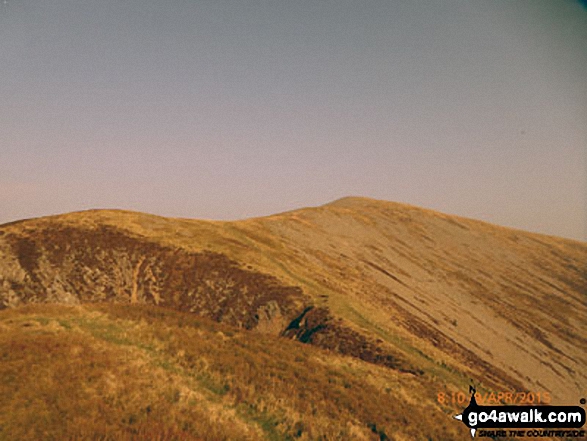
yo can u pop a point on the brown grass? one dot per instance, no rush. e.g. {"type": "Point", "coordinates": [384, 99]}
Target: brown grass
{"type": "Point", "coordinates": [122, 372]}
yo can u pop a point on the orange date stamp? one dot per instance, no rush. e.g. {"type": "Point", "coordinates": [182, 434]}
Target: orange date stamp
{"type": "Point", "coordinates": [488, 398]}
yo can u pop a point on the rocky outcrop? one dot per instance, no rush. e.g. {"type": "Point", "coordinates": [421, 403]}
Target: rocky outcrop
{"type": "Point", "coordinates": [318, 327]}
{"type": "Point", "coordinates": [71, 265]}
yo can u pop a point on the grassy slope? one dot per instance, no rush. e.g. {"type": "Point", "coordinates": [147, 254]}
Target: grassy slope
{"type": "Point", "coordinates": [142, 372]}
{"type": "Point", "coordinates": [458, 298]}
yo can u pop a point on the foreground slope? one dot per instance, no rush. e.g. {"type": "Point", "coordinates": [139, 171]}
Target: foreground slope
{"type": "Point", "coordinates": [438, 297]}
{"type": "Point", "coordinates": [121, 372]}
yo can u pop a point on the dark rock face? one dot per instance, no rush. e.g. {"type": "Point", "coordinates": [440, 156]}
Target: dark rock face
{"type": "Point", "coordinates": [69, 265]}
{"type": "Point", "coordinates": [318, 327]}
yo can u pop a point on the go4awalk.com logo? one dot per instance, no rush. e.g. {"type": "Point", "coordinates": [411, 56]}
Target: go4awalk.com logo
{"type": "Point", "coordinates": [514, 420]}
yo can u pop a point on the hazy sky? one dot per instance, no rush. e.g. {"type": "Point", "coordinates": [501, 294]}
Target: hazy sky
{"type": "Point", "coordinates": [232, 109]}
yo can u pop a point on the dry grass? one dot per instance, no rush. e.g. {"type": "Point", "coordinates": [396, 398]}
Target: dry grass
{"type": "Point", "coordinates": [123, 372]}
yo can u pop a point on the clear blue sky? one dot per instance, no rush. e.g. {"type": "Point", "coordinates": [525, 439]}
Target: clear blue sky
{"type": "Point", "coordinates": [232, 109]}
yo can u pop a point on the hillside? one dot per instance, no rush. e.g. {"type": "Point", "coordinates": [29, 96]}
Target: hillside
{"type": "Point", "coordinates": [412, 302]}
{"type": "Point", "coordinates": [148, 373]}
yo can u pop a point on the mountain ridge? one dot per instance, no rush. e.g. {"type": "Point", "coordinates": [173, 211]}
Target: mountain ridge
{"type": "Point", "coordinates": [345, 202]}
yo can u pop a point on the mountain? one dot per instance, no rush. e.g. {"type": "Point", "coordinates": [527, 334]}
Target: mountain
{"type": "Point", "coordinates": [359, 319]}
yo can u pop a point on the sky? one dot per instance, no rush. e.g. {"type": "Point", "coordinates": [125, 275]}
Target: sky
{"type": "Point", "coordinates": [235, 109]}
